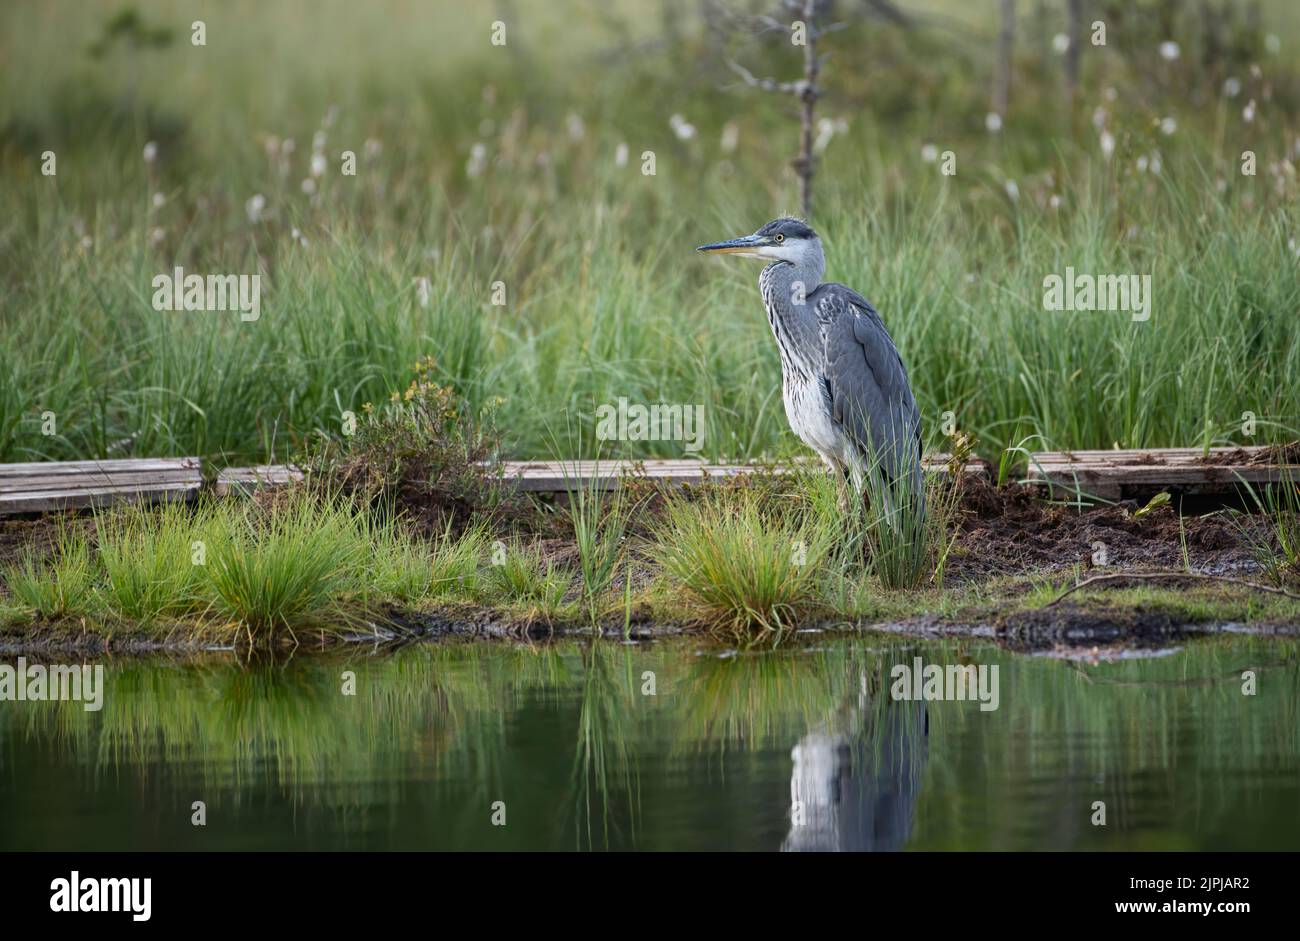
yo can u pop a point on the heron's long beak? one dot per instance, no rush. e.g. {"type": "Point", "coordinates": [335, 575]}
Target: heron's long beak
{"type": "Point", "coordinates": [745, 245]}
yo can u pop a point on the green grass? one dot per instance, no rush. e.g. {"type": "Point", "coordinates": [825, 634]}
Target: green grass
{"type": "Point", "coordinates": [604, 295]}
{"type": "Point", "coordinates": [272, 573]}
{"type": "Point", "coordinates": [600, 527]}
{"type": "Point", "coordinates": [241, 571]}
{"type": "Point", "coordinates": [415, 572]}
{"type": "Point", "coordinates": [151, 562]}
{"type": "Point", "coordinates": [1273, 532]}
{"type": "Point", "coordinates": [523, 578]}
{"type": "Point", "coordinates": [748, 566]}
{"type": "Point", "coordinates": [62, 587]}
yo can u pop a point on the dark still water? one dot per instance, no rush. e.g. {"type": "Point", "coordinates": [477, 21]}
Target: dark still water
{"type": "Point", "coordinates": [665, 746]}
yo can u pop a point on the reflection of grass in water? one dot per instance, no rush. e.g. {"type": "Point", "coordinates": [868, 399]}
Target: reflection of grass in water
{"type": "Point", "coordinates": [607, 719]}
{"type": "Point", "coordinates": [1114, 732]}
{"type": "Point", "coordinates": [292, 726]}
{"type": "Point", "coordinates": [1062, 736]}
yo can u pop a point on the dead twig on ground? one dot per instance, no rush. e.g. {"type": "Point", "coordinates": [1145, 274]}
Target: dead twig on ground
{"type": "Point", "coordinates": [1159, 576]}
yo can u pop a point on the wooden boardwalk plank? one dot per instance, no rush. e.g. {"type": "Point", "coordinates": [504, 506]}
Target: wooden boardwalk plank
{"type": "Point", "coordinates": [117, 465]}
{"type": "Point", "coordinates": [244, 480]}
{"type": "Point", "coordinates": [559, 476]}
{"type": "Point", "coordinates": [79, 498]}
{"type": "Point", "coordinates": [38, 486]}
{"type": "Point", "coordinates": [1113, 474]}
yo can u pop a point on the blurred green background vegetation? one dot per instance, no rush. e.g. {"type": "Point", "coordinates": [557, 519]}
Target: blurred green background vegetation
{"type": "Point", "coordinates": [479, 163]}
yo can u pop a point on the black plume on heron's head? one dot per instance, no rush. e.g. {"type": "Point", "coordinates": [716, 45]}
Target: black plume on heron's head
{"type": "Point", "coordinates": [787, 228]}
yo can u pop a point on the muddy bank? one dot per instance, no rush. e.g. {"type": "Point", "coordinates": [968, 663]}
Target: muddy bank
{"type": "Point", "coordinates": [1011, 531]}
{"type": "Point", "coordinates": [1072, 628]}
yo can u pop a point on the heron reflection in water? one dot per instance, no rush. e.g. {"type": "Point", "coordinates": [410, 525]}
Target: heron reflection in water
{"type": "Point", "coordinates": [856, 778]}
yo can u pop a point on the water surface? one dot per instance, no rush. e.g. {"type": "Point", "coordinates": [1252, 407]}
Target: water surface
{"type": "Point", "coordinates": [671, 745]}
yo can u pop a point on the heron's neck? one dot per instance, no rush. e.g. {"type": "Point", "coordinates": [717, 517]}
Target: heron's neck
{"type": "Point", "coordinates": [791, 275]}
{"type": "Point", "coordinates": [785, 287]}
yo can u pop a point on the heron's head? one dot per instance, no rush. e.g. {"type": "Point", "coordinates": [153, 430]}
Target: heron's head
{"type": "Point", "coordinates": [780, 240]}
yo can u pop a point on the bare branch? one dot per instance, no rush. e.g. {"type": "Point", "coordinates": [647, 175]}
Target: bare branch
{"type": "Point", "coordinates": [1160, 576]}
{"type": "Point", "coordinates": [765, 84]}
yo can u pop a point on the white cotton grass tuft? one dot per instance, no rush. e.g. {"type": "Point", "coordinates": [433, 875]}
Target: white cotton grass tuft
{"type": "Point", "coordinates": [1061, 43]}
{"type": "Point", "coordinates": [1168, 125]}
{"type": "Point", "coordinates": [929, 153]}
{"type": "Point", "coordinates": [1169, 50]}
{"type": "Point", "coordinates": [1232, 86]}
{"type": "Point", "coordinates": [150, 152]}
{"type": "Point", "coordinates": [825, 131]}
{"type": "Point", "coordinates": [681, 127]}
{"type": "Point", "coordinates": [993, 122]}
{"type": "Point", "coordinates": [423, 291]}
{"type": "Point", "coordinates": [1107, 140]}
{"type": "Point", "coordinates": [621, 154]}
{"type": "Point", "coordinates": [1248, 112]}
{"type": "Point", "coordinates": [254, 207]}
{"type": "Point", "coordinates": [730, 137]}
{"type": "Point", "coordinates": [158, 200]}
{"type": "Point", "coordinates": [309, 186]}
{"type": "Point", "coordinates": [477, 160]}
{"type": "Point", "coordinates": [318, 164]}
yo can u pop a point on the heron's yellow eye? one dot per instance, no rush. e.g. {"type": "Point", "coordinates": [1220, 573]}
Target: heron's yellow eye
{"type": "Point", "coordinates": [780, 238]}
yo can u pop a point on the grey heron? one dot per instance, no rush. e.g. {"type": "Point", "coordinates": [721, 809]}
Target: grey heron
{"type": "Point", "coordinates": [844, 385]}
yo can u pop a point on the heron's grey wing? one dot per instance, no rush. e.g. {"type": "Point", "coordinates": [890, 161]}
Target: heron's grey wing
{"type": "Point", "coordinates": [870, 395]}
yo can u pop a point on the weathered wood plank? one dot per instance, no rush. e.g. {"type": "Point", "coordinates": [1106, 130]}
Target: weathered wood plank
{"type": "Point", "coordinates": [244, 480]}
{"type": "Point", "coordinates": [1110, 474]}
{"type": "Point", "coordinates": [116, 465]}
{"type": "Point", "coordinates": [559, 476]}
{"type": "Point", "coordinates": [45, 500]}
{"type": "Point", "coordinates": [121, 479]}
{"type": "Point", "coordinates": [38, 486]}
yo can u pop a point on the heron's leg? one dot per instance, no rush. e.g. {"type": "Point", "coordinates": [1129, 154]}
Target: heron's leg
{"type": "Point", "coordinates": [858, 475]}
{"type": "Point", "coordinates": [841, 485]}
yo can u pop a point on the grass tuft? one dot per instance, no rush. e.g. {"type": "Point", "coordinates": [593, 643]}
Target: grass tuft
{"type": "Point", "coordinates": [280, 570]}
{"type": "Point", "coordinates": [63, 586]}
{"type": "Point", "coordinates": [152, 561]}
{"type": "Point", "coordinates": [523, 577]}
{"type": "Point", "coordinates": [746, 561]}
